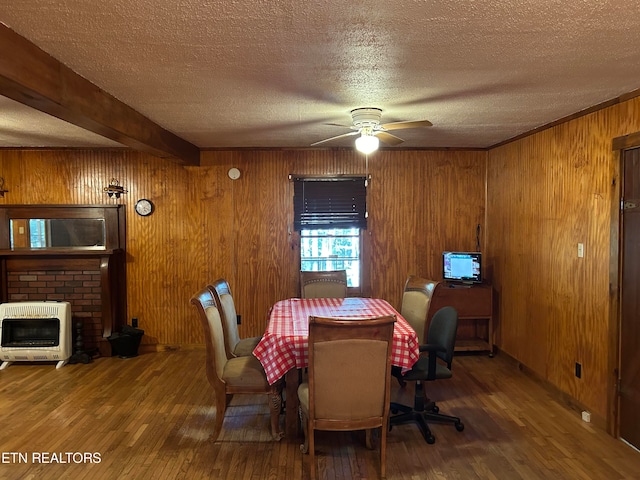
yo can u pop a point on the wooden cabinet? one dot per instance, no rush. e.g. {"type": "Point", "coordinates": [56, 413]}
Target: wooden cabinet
{"type": "Point", "coordinates": [474, 304]}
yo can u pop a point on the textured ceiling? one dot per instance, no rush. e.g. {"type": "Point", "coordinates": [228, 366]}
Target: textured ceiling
{"type": "Point", "coordinates": [273, 73]}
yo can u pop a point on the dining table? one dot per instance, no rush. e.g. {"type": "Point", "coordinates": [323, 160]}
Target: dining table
{"type": "Point", "coordinates": [283, 349]}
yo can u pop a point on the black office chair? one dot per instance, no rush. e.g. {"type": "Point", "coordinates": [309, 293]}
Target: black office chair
{"type": "Point", "coordinates": [441, 338]}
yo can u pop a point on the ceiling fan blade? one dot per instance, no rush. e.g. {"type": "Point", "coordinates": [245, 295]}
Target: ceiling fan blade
{"type": "Point", "coordinates": [409, 124]}
{"type": "Point", "coordinates": [389, 139]}
{"type": "Point", "coordinates": [334, 138]}
{"type": "Point", "coordinates": [341, 125]}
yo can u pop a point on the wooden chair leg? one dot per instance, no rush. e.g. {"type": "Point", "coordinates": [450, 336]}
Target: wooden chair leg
{"type": "Point", "coordinates": [304, 448]}
{"type": "Point", "coordinates": [309, 445]}
{"type": "Point", "coordinates": [221, 406]}
{"type": "Point", "coordinates": [275, 406]}
{"type": "Point", "coordinates": [383, 452]}
{"type": "Point", "coordinates": [312, 453]}
{"type": "Point", "coordinates": [372, 438]}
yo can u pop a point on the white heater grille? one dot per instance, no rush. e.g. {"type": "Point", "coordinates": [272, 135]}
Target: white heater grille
{"type": "Point", "coordinates": [26, 314]}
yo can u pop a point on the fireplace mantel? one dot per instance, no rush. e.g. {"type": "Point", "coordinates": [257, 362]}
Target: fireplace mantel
{"type": "Point", "coordinates": [71, 274]}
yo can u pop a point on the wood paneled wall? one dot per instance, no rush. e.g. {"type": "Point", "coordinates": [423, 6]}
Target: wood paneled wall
{"type": "Point", "coordinates": [206, 225]}
{"type": "Point", "coordinates": [547, 193]}
{"type": "Point", "coordinates": [543, 195]}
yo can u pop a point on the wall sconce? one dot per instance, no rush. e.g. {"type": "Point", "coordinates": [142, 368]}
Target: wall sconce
{"type": "Point", "coordinates": [2, 189]}
{"type": "Point", "coordinates": [114, 189]}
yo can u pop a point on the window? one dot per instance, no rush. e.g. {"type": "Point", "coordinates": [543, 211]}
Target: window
{"type": "Point", "coordinates": [330, 214]}
{"type": "Point", "coordinates": [332, 249]}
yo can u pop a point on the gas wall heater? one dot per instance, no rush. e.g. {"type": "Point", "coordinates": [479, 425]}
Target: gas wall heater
{"type": "Point", "coordinates": [35, 332]}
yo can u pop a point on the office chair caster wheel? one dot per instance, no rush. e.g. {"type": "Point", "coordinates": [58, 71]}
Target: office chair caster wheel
{"type": "Point", "coordinates": [394, 410]}
{"type": "Point", "coordinates": [459, 426]}
{"type": "Point", "coordinates": [430, 439]}
{"type": "Point", "coordinates": [435, 409]}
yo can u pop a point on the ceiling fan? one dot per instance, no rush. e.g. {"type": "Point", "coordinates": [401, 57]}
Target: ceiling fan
{"type": "Point", "coordinates": [366, 123]}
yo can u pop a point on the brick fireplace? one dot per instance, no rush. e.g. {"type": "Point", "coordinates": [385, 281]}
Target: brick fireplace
{"type": "Point", "coordinates": [81, 288]}
{"type": "Point", "coordinates": [68, 253]}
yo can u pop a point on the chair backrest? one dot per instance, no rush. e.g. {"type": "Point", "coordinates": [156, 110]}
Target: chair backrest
{"type": "Point", "coordinates": [349, 370]}
{"type": "Point", "coordinates": [229, 316]}
{"type": "Point", "coordinates": [442, 332]}
{"type": "Point", "coordinates": [416, 300]}
{"type": "Point", "coordinates": [326, 284]}
{"type": "Point", "coordinates": [209, 315]}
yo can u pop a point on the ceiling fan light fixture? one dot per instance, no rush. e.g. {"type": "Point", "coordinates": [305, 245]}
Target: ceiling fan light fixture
{"type": "Point", "coordinates": [366, 124]}
{"type": "Point", "coordinates": [367, 143]}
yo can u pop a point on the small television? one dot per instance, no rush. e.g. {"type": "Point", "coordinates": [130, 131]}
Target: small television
{"type": "Point", "coordinates": [462, 267]}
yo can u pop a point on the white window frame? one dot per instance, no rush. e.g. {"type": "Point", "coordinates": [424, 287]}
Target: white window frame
{"type": "Point", "coordinates": [320, 258]}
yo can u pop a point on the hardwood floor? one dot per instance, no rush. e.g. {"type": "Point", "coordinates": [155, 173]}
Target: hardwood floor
{"type": "Point", "coordinates": [150, 417]}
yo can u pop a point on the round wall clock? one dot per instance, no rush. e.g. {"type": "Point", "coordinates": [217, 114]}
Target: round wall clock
{"type": "Point", "coordinates": [144, 207]}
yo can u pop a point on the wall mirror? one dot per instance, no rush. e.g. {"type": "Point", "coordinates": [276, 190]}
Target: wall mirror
{"type": "Point", "coordinates": [55, 229]}
{"type": "Point", "coordinates": [51, 233]}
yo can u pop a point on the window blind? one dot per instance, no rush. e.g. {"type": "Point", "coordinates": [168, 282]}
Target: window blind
{"type": "Point", "coordinates": [339, 202]}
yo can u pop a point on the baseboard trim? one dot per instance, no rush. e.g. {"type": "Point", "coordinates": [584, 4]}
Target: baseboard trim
{"type": "Point", "coordinates": [558, 394]}
{"type": "Point", "coordinates": [162, 347]}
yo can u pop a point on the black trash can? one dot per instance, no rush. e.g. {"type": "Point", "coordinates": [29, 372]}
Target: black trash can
{"type": "Point", "coordinates": [125, 343]}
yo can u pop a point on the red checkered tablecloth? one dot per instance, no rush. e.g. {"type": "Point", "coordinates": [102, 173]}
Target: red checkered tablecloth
{"type": "Point", "coordinates": [285, 344]}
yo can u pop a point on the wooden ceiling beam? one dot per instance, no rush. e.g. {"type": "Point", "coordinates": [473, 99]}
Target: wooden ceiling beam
{"type": "Point", "coordinates": [34, 78]}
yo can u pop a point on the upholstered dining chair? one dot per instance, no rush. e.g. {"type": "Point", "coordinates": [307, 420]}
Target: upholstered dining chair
{"type": "Point", "coordinates": [229, 376]}
{"type": "Point", "coordinates": [233, 344]}
{"type": "Point", "coordinates": [441, 337]}
{"type": "Point", "coordinates": [348, 385]}
{"type": "Point", "coordinates": [324, 284]}
{"type": "Point", "coordinates": [416, 299]}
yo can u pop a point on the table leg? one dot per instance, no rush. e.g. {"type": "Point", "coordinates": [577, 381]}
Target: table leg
{"type": "Point", "coordinates": [292, 420]}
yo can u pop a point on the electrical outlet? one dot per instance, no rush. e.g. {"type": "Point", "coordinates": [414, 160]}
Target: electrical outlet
{"type": "Point", "coordinates": [578, 370]}
{"type": "Point", "coordinates": [239, 319]}
{"type": "Point", "coordinates": [580, 250]}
